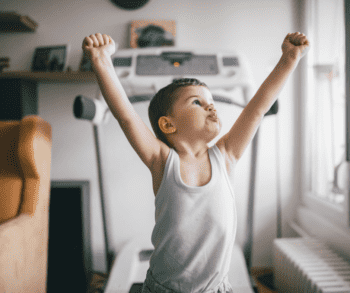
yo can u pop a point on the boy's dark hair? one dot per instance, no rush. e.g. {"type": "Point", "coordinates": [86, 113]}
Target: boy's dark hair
{"type": "Point", "coordinates": [162, 103]}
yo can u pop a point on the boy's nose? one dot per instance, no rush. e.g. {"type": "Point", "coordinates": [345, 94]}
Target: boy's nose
{"type": "Point", "coordinates": [211, 108]}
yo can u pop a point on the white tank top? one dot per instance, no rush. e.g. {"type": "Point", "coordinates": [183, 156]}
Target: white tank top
{"type": "Point", "coordinates": [195, 228]}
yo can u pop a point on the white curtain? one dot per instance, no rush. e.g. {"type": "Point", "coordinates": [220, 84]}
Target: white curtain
{"type": "Point", "coordinates": [326, 115]}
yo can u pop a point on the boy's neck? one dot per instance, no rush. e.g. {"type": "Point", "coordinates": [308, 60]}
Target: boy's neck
{"type": "Point", "coordinates": [194, 151]}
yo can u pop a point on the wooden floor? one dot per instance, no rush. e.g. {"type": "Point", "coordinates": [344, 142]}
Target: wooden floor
{"type": "Point", "coordinates": [97, 283]}
{"type": "Point", "coordinates": [264, 279]}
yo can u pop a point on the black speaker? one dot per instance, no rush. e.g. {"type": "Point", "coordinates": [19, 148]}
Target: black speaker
{"type": "Point", "coordinates": [129, 4]}
{"type": "Point", "coordinates": [69, 253]}
{"type": "Point", "coordinates": [18, 98]}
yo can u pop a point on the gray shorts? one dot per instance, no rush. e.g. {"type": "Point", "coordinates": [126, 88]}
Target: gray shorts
{"type": "Point", "coordinates": [152, 286]}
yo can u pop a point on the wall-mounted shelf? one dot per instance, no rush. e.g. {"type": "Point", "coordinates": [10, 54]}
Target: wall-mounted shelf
{"type": "Point", "coordinates": [14, 22]}
{"type": "Point", "coordinates": [66, 76]}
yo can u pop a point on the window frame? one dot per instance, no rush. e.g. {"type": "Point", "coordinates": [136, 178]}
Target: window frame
{"type": "Point", "coordinates": [324, 208]}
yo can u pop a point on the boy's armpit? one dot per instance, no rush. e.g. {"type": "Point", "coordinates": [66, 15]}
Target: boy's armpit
{"type": "Point", "coordinates": [230, 162]}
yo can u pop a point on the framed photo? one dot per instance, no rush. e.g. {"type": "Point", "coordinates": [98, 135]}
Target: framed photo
{"type": "Point", "coordinates": [85, 64]}
{"type": "Point", "coordinates": [152, 33]}
{"type": "Point", "coordinates": [51, 59]}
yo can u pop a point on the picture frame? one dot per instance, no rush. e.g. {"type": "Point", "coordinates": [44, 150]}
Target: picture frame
{"type": "Point", "coordinates": [152, 33]}
{"type": "Point", "coordinates": [85, 64]}
{"type": "Point", "coordinates": [50, 59]}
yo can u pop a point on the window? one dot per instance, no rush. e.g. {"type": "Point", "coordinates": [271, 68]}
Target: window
{"type": "Point", "coordinates": [325, 121]}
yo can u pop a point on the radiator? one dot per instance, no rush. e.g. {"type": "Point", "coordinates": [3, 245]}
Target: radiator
{"type": "Point", "coordinates": [308, 265]}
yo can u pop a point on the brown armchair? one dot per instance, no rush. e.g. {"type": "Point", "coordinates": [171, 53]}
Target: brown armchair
{"type": "Point", "coordinates": [25, 161]}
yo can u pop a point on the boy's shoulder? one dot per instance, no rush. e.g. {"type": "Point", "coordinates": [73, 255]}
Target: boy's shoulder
{"type": "Point", "coordinates": [221, 146]}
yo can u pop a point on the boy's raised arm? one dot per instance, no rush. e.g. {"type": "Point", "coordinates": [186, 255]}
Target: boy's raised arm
{"type": "Point", "coordinates": [99, 49]}
{"type": "Point", "coordinates": [294, 47]}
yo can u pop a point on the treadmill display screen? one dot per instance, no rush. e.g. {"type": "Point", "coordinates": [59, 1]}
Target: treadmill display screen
{"type": "Point", "coordinates": [177, 63]}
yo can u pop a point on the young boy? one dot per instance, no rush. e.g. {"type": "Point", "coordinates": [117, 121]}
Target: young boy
{"type": "Point", "coordinates": [195, 210]}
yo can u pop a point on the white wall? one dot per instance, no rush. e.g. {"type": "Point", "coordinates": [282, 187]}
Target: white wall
{"type": "Point", "coordinates": [255, 27]}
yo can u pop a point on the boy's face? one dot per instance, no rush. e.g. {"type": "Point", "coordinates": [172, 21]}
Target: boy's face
{"type": "Point", "coordinates": [194, 114]}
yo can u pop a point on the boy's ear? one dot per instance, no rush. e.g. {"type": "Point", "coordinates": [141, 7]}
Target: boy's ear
{"type": "Point", "coordinates": [165, 125]}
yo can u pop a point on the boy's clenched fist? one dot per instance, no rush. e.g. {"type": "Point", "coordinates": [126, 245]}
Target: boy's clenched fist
{"type": "Point", "coordinates": [295, 45]}
{"type": "Point", "coordinates": [97, 44]}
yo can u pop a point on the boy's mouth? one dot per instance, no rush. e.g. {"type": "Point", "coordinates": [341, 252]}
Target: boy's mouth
{"type": "Point", "coordinates": [213, 117]}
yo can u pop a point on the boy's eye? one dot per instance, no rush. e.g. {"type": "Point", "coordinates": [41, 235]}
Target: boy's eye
{"type": "Point", "coordinates": [197, 101]}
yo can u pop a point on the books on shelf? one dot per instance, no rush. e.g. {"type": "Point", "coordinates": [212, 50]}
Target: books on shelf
{"type": "Point", "coordinates": [4, 63]}
{"type": "Point", "coordinates": [12, 21]}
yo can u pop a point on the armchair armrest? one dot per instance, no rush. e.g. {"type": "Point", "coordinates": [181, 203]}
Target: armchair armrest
{"type": "Point", "coordinates": [24, 238]}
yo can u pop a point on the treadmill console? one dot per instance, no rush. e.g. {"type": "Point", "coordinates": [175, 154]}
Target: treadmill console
{"type": "Point", "coordinates": [146, 70]}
